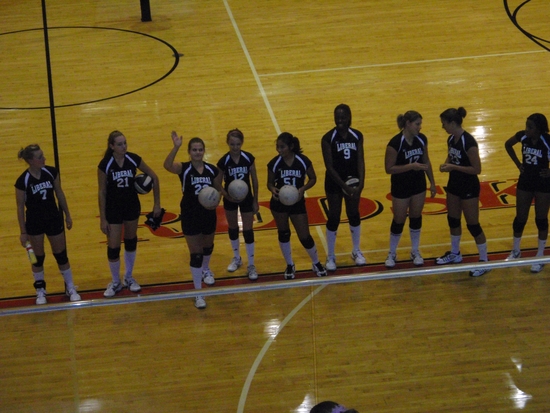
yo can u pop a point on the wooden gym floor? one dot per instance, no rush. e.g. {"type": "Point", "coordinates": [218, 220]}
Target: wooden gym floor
{"type": "Point", "coordinates": [424, 342]}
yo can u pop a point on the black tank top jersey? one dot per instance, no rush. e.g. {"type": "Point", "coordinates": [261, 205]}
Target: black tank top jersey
{"type": "Point", "coordinates": [232, 170]}
{"type": "Point", "coordinates": [294, 174]}
{"type": "Point", "coordinates": [120, 180]}
{"type": "Point", "coordinates": [192, 182]}
{"type": "Point", "coordinates": [534, 155]}
{"type": "Point", "coordinates": [407, 154]}
{"type": "Point", "coordinates": [39, 193]}
{"type": "Point", "coordinates": [344, 151]}
{"type": "Point", "coordinates": [458, 155]}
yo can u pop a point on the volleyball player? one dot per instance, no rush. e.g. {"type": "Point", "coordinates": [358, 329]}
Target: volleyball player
{"type": "Point", "coordinates": [291, 167]}
{"type": "Point", "coordinates": [36, 189]}
{"type": "Point", "coordinates": [533, 182]}
{"type": "Point", "coordinates": [343, 155]}
{"type": "Point", "coordinates": [197, 223]}
{"type": "Point", "coordinates": [331, 407]}
{"type": "Point", "coordinates": [239, 164]}
{"type": "Point", "coordinates": [408, 163]}
{"type": "Point", "coordinates": [120, 208]}
{"type": "Point", "coordinates": [464, 166]}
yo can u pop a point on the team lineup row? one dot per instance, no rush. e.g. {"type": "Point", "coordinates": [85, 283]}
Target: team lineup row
{"type": "Point", "coordinates": [406, 160]}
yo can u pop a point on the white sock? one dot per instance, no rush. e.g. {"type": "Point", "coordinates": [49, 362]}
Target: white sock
{"type": "Point", "coordinates": [196, 273]}
{"type": "Point", "coordinates": [312, 252]}
{"type": "Point", "coordinates": [115, 271]}
{"type": "Point", "coordinates": [331, 242]}
{"type": "Point", "coordinates": [235, 247]}
{"type": "Point", "coordinates": [287, 252]}
{"type": "Point", "coordinates": [356, 237]}
{"type": "Point", "coordinates": [455, 243]}
{"type": "Point", "coordinates": [68, 278]}
{"type": "Point", "coordinates": [250, 248]}
{"type": "Point", "coordinates": [394, 242]}
{"type": "Point", "coordinates": [415, 239]}
{"type": "Point", "coordinates": [517, 242]}
{"type": "Point", "coordinates": [206, 261]}
{"type": "Point", "coordinates": [129, 260]}
{"type": "Point", "coordinates": [541, 246]}
{"type": "Point", "coordinates": [482, 248]}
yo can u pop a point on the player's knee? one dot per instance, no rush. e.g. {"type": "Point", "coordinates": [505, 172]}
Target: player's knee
{"type": "Point", "coordinates": [474, 229]}
{"type": "Point", "coordinates": [415, 223]}
{"type": "Point", "coordinates": [333, 223]}
{"type": "Point", "coordinates": [308, 242]}
{"type": "Point", "coordinates": [396, 228]}
{"type": "Point", "coordinates": [518, 226]}
{"type": "Point", "coordinates": [354, 220]}
{"type": "Point", "coordinates": [39, 261]}
{"type": "Point", "coordinates": [284, 236]}
{"type": "Point", "coordinates": [542, 224]}
{"type": "Point", "coordinates": [233, 233]}
{"type": "Point", "coordinates": [61, 257]}
{"type": "Point", "coordinates": [196, 260]}
{"type": "Point", "coordinates": [248, 236]}
{"type": "Point", "coordinates": [113, 254]}
{"type": "Point", "coordinates": [208, 250]}
{"type": "Point", "coordinates": [39, 284]}
{"type": "Point", "coordinates": [453, 222]}
{"type": "Point", "coordinates": [130, 244]}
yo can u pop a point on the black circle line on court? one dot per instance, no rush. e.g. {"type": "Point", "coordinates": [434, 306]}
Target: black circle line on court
{"type": "Point", "coordinates": [175, 54]}
{"type": "Point", "coordinates": [513, 17]}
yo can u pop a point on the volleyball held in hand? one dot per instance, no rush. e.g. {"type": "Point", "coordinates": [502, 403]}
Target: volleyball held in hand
{"type": "Point", "coordinates": [288, 195]}
{"type": "Point", "coordinates": [143, 184]}
{"type": "Point", "coordinates": [209, 197]}
{"type": "Point", "coordinates": [352, 181]}
{"type": "Point", "coordinates": [238, 190]}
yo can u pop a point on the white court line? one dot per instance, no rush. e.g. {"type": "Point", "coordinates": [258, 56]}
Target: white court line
{"type": "Point", "coordinates": [413, 62]}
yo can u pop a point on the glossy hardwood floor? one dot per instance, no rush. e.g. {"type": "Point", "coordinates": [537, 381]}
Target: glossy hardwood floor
{"type": "Point", "coordinates": [444, 343]}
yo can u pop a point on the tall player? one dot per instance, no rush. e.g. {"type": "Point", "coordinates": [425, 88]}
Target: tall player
{"type": "Point", "coordinates": [533, 182]}
{"type": "Point", "coordinates": [291, 167]}
{"type": "Point", "coordinates": [120, 208]}
{"type": "Point", "coordinates": [239, 164]}
{"type": "Point", "coordinates": [37, 189]}
{"type": "Point", "coordinates": [344, 158]}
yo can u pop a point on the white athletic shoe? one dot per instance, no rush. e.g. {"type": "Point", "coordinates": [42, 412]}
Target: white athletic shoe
{"type": "Point", "coordinates": [112, 289]}
{"type": "Point", "coordinates": [330, 264]}
{"type": "Point", "coordinates": [72, 294]}
{"type": "Point", "coordinates": [290, 272]}
{"type": "Point", "coordinates": [319, 270]}
{"type": "Point", "coordinates": [41, 296]}
{"type": "Point", "coordinates": [235, 264]}
{"type": "Point", "coordinates": [536, 268]}
{"type": "Point", "coordinates": [514, 255]}
{"type": "Point", "coordinates": [417, 258]}
{"type": "Point", "coordinates": [479, 272]}
{"type": "Point", "coordinates": [449, 258]}
{"type": "Point", "coordinates": [358, 257]}
{"type": "Point", "coordinates": [251, 272]}
{"type": "Point", "coordinates": [390, 261]}
{"type": "Point", "coordinates": [208, 277]}
{"type": "Point", "coordinates": [132, 285]}
{"type": "Point", "coordinates": [199, 302]}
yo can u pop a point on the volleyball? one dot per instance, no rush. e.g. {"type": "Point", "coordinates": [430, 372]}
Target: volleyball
{"type": "Point", "coordinates": [288, 195]}
{"type": "Point", "coordinates": [238, 190]}
{"type": "Point", "coordinates": [143, 184]}
{"type": "Point", "coordinates": [209, 197]}
{"type": "Point", "coordinates": [352, 181]}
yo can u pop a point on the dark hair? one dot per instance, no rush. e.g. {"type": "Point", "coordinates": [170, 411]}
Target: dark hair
{"type": "Point", "coordinates": [540, 122]}
{"type": "Point", "coordinates": [235, 133]}
{"type": "Point", "coordinates": [111, 141]}
{"type": "Point", "coordinates": [409, 116]}
{"type": "Point", "coordinates": [328, 407]}
{"type": "Point", "coordinates": [195, 140]}
{"type": "Point", "coordinates": [345, 108]}
{"type": "Point", "coordinates": [27, 153]}
{"type": "Point", "coordinates": [454, 115]}
{"type": "Point", "coordinates": [291, 141]}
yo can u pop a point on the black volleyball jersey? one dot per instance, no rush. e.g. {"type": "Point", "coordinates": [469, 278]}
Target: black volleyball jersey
{"type": "Point", "coordinates": [120, 179]}
{"type": "Point", "coordinates": [240, 170]}
{"type": "Point", "coordinates": [407, 154]}
{"type": "Point", "coordinates": [458, 155]}
{"type": "Point", "coordinates": [294, 174]}
{"type": "Point", "coordinates": [535, 156]}
{"type": "Point", "coordinates": [192, 182]}
{"type": "Point", "coordinates": [39, 193]}
{"type": "Point", "coordinates": [345, 156]}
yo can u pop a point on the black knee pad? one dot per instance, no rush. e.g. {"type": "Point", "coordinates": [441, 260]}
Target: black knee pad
{"type": "Point", "coordinates": [208, 250]}
{"type": "Point", "coordinates": [39, 284]}
{"type": "Point", "coordinates": [396, 228]}
{"type": "Point", "coordinates": [130, 244]}
{"type": "Point", "coordinates": [61, 257]}
{"type": "Point", "coordinates": [113, 254]}
{"type": "Point", "coordinates": [415, 223]}
{"type": "Point", "coordinates": [541, 223]}
{"type": "Point", "coordinates": [333, 223]}
{"type": "Point", "coordinates": [475, 229]}
{"type": "Point", "coordinates": [354, 220]}
{"type": "Point", "coordinates": [233, 233]}
{"type": "Point", "coordinates": [248, 236]}
{"type": "Point", "coordinates": [453, 222]}
{"type": "Point", "coordinates": [284, 236]}
{"type": "Point", "coordinates": [39, 261]}
{"type": "Point", "coordinates": [519, 226]}
{"type": "Point", "coordinates": [196, 260]}
{"type": "Point", "coordinates": [308, 242]}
